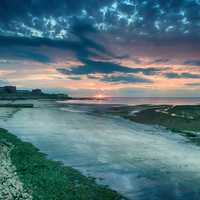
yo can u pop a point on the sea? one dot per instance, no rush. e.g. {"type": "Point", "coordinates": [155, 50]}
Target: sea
{"type": "Point", "coordinates": [141, 101]}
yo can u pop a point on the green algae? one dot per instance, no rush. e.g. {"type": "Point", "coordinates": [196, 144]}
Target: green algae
{"type": "Point", "coordinates": [51, 180]}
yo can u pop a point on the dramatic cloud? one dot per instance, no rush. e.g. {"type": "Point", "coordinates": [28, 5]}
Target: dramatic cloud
{"type": "Point", "coordinates": [124, 79]}
{"type": "Point", "coordinates": [192, 62]}
{"type": "Point", "coordinates": [161, 60]}
{"type": "Point", "coordinates": [103, 44]}
{"type": "Point", "coordinates": [182, 75]}
{"type": "Point", "coordinates": [93, 67]}
{"type": "Point", "coordinates": [82, 46]}
{"type": "Point", "coordinates": [54, 19]}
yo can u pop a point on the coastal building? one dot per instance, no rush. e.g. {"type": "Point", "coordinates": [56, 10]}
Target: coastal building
{"type": "Point", "coordinates": [8, 89]}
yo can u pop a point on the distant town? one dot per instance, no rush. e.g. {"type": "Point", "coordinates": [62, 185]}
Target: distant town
{"type": "Point", "coordinates": [12, 93]}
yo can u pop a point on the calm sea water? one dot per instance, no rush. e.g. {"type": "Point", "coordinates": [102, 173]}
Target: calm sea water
{"type": "Point", "coordinates": [141, 162]}
{"type": "Point", "coordinates": [142, 100]}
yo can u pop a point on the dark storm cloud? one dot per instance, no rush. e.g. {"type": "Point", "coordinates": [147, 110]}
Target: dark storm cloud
{"type": "Point", "coordinates": [76, 25]}
{"type": "Point", "coordinates": [82, 46]}
{"type": "Point", "coordinates": [76, 78]}
{"type": "Point", "coordinates": [161, 60]}
{"type": "Point", "coordinates": [16, 9]}
{"type": "Point", "coordinates": [28, 55]}
{"type": "Point", "coordinates": [124, 79]}
{"type": "Point", "coordinates": [123, 56]}
{"type": "Point", "coordinates": [145, 18]}
{"type": "Point", "coordinates": [182, 75]}
{"type": "Point", "coordinates": [94, 67]}
{"type": "Point", "coordinates": [192, 62]}
{"type": "Point", "coordinates": [20, 53]}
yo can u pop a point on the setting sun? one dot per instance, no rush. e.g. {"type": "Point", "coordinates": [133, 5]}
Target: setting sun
{"type": "Point", "coordinates": [99, 96]}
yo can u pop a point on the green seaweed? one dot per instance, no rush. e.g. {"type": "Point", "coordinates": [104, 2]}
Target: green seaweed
{"type": "Point", "coordinates": [181, 119]}
{"type": "Point", "coordinates": [51, 180]}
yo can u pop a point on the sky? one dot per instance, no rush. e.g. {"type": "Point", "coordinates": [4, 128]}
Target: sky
{"type": "Point", "coordinates": [145, 48]}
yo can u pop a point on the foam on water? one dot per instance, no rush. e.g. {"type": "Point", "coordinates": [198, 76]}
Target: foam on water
{"type": "Point", "coordinates": [142, 162]}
